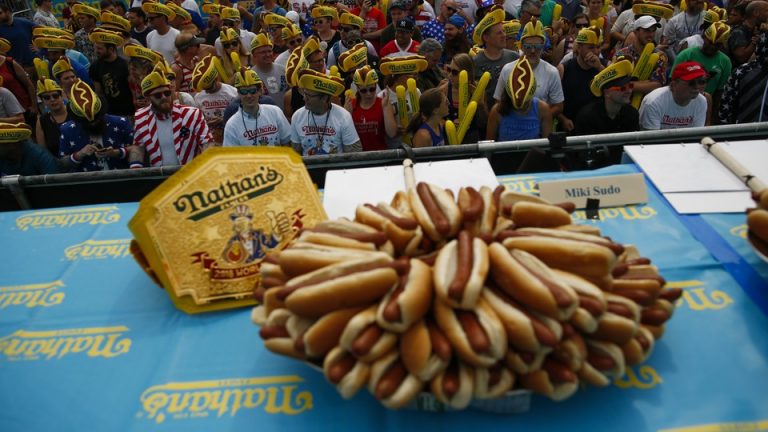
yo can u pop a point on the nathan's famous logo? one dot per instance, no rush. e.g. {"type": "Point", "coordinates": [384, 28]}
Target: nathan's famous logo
{"type": "Point", "coordinates": [403, 68]}
{"type": "Point", "coordinates": [322, 85]}
{"type": "Point", "coordinates": [698, 298]}
{"type": "Point", "coordinates": [99, 249]}
{"type": "Point", "coordinates": [203, 399]}
{"type": "Point", "coordinates": [67, 218]}
{"type": "Point", "coordinates": [739, 231]}
{"type": "Point", "coordinates": [33, 295]}
{"type": "Point", "coordinates": [104, 342]}
{"type": "Point", "coordinates": [528, 184]}
{"type": "Point", "coordinates": [249, 243]}
{"type": "Point", "coordinates": [201, 204]}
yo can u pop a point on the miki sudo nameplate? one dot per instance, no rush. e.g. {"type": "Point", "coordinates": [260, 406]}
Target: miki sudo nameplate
{"type": "Point", "coordinates": [203, 233]}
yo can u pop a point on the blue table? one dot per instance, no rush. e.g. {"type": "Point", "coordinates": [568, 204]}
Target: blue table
{"type": "Point", "coordinates": [88, 342]}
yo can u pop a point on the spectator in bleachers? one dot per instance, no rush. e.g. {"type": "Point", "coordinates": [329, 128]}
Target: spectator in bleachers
{"type": "Point", "coordinates": [18, 156]}
{"type": "Point", "coordinates": [456, 41]}
{"type": "Point", "coordinates": [744, 97]}
{"type": "Point", "coordinates": [577, 73]}
{"type": "Point", "coordinates": [110, 73]}
{"type": "Point", "coordinates": [612, 113]}
{"type": "Point", "coordinates": [87, 17]}
{"type": "Point", "coordinates": [679, 105]}
{"type": "Point", "coordinates": [434, 74]}
{"type": "Point", "coordinates": [44, 15]}
{"type": "Point", "coordinates": [47, 133]}
{"type": "Point", "coordinates": [18, 33]}
{"type": "Point", "coordinates": [373, 116]}
{"type": "Point", "coordinates": [490, 34]}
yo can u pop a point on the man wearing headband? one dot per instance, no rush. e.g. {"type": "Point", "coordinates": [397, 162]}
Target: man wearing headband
{"type": "Point", "coordinates": [163, 38]}
{"type": "Point", "coordinates": [613, 112]}
{"type": "Point", "coordinates": [322, 127]}
{"type": "Point", "coordinates": [93, 140]}
{"type": "Point", "coordinates": [490, 34]}
{"type": "Point", "coordinates": [169, 134]}
{"type": "Point", "coordinates": [577, 73]}
{"type": "Point", "coordinates": [712, 58]}
{"type": "Point", "coordinates": [18, 156]}
{"type": "Point", "coordinates": [548, 86]}
{"type": "Point", "coordinates": [744, 98]}
{"type": "Point", "coordinates": [255, 124]}
{"type": "Point", "coordinates": [679, 105]}
{"type": "Point", "coordinates": [110, 73]}
{"type": "Point", "coordinates": [213, 97]}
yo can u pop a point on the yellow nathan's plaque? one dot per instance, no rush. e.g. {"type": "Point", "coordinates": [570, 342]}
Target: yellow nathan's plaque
{"type": "Point", "coordinates": [203, 233]}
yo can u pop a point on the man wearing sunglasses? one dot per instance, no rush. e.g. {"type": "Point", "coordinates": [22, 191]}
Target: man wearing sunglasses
{"type": "Point", "coordinates": [255, 124]}
{"type": "Point", "coordinates": [93, 140]}
{"type": "Point", "coordinates": [679, 105]}
{"type": "Point", "coordinates": [170, 134]}
{"type": "Point", "coordinates": [613, 113]}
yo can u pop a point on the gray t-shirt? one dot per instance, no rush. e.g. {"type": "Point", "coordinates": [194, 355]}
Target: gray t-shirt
{"type": "Point", "coordinates": [548, 85]}
{"type": "Point", "coordinates": [483, 64]}
{"type": "Point", "coordinates": [165, 139]}
{"type": "Point", "coordinates": [275, 82]}
{"type": "Point", "coordinates": [9, 105]}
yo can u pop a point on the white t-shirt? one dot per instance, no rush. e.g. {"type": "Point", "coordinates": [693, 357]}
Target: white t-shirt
{"type": "Point", "coordinates": [659, 111]}
{"type": "Point", "coordinates": [268, 128]}
{"type": "Point", "coordinates": [213, 105]}
{"type": "Point", "coordinates": [275, 83]}
{"type": "Point", "coordinates": [164, 44]}
{"type": "Point", "coordinates": [695, 41]}
{"type": "Point", "coordinates": [328, 133]}
{"type": "Point", "coordinates": [548, 85]}
{"type": "Point", "coordinates": [469, 7]}
{"type": "Point", "coordinates": [165, 139]}
{"type": "Point", "coordinates": [282, 59]}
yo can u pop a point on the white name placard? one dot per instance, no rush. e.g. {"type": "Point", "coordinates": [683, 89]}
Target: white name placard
{"type": "Point", "coordinates": [612, 191]}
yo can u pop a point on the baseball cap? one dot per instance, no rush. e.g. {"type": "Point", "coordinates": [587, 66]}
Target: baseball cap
{"type": "Point", "coordinates": [688, 71]}
{"type": "Point", "coordinates": [646, 22]}
{"type": "Point", "coordinates": [404, 24]}
{"type": "Point", "coordinates": [397, 5]}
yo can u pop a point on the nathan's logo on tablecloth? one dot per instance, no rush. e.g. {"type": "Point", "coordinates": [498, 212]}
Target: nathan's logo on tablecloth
{"type": "Point", "coordinates": [99, 249]}
{"type": "Point", "coordinates": [203, 203]}
{"type": "Point", "coordinates": [106, 342]}
{"type": "Point", "coordinates": [32, 295]}
{"type": "Point", "coordinates": [630, 212]}
{"type": "Point", "coordinates": [67, 218]}
{"type": "Point", "coordinates": [696, 296]}
{"type": "Point", "coordinates": [527, 184]}
{"type": "Point", "coordinates": [739, 231]}
{"type": "Point", "coordinates": [216, 398]}
{"type": "Point", "coordinates": [641, 377]}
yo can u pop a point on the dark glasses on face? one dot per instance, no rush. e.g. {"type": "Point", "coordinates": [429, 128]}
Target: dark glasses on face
{"type": "Point", "coordinates": [160, 95]}
{"type": "Point", "coordinates": [581, 25]}
{"type": "Point", "coordinates": [533, 47]}
{"type": "Point", "coordinates": [293, 42]}
{"type": "Point", "coordinates": [228, 45]}
{"type": "Point", "coordinates": [625, 87]}
{"type": "Point", "coordinates": [319, 21]}
{"type": "Point", "coordinates": [52, 96]}
{"type": "Point", "coordinates": [452, 71]}
{"type": "Point", "coordinates": [250, 91]}
{"type": "Point", "coordinates": [367, 90]}
{"type": "Point", "coordinates": [698, 82]}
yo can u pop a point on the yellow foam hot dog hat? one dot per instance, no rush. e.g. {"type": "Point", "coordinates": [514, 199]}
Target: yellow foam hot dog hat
{"type": "Point", "coordinates": [533, 29]}
{"type": "Point", "coordinates": [212, 8]}
{"type": "Point", "coordinates": [229, 35]}
{"type": "Point", "coordinates": [320, 83]}
{"type": "Point", "coordinates": [521, 85]}
{"type": "Point", "coordinates": [46, 86]}
{"type": "Point", "coordinates": [261, 39]}
{"type": "Point", "coordinates": [152, 81]}
{"type": "Point", "coordinates": [311, 46]}
{"type": "Point", "coordinates": [657, 10]}
{"type": "Point", "coordinates": [139, 52]}
{"type": "Point", "coordinates": [62, 65]}
{"type": "Point", "coordinates": [54, 43]}
{"type": "Point", "coordinates": [158, 9]}
{"type": "Point", "coordinates": [354, 58]}
{"type": "Point", "coordinates": [273, 19]}
{"type": "Point", "coordinates": [290, 32]}
{"type": "Point", "coordinates": [718, 32]}
{"type": "Point", "coordinates": [81, 9]}
{"type": "Point", "coordinates": [247, 78]}
{"type": "Point", "coordinates": [348, 19]}
{"type": "Point", "coordinates": [205, 72]}
{"type": "Point", "coordinates": [617, 73]}
{"type": "Point", "coordinates": [488, 21]}
{"type": "Point", "coordinates": [296, 63]}
{"type": "Point", "coordinates": [512, 28]}
{"type": "Point", "coordinates": [588, 36]}
{"type": "Point", "coordinates": [83, 101]}
{"type": "Point", "coordinates": [366, 76]}
{"type": "Point", "coordinates": [14, 132]}
{"type": "Point", "coordinates": [110, 21]}
{"type": "Point", "coordinates": [228, 13]}
{"type": "Point", "coordinates": [107, 37]}
{"type": "Point", "coordinates": [179, 12]}
{"type": "Point", "coordinates": [403, 65]}
{"type": "Point", "coordinates": [325, 12]}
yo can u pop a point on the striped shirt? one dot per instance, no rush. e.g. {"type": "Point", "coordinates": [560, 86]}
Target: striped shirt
{"type": "Point", "coordinates": [190, 133]}
{"type": "Point", "coordinates": [186, 78]}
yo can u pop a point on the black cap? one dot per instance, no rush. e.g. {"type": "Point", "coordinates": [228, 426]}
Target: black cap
{"type": "Point", "coordinates": [397, 5]}
{"type": "Point", "coordinates": [404, 24]}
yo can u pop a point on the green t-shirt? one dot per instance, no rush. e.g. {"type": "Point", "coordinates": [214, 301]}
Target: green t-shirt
{"type": "Point", "coordinates": [718, 66]}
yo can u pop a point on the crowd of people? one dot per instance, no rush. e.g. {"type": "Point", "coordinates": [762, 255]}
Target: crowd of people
{"type": "Point", "coordinates": [110, 85]}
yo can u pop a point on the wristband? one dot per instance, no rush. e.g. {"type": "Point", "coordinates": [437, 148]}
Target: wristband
{"type": "Point", "coordinates": [73, 159]}
{"type": "Point", "coordinates": [123, 153]}
{"type": "Point", "coordinates": [136, 165]}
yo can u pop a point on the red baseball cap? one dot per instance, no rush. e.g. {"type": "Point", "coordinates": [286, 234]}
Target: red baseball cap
{"type": "Point", "coordinates": [688, 71]}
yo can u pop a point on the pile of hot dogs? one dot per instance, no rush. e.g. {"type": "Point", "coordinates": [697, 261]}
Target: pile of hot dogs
{"type": "Point", "coordinates": [757, 221]}
{"type": "Point", "coordinates": [466, 298]}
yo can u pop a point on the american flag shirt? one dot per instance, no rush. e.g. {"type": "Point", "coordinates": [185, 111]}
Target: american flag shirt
{"type": "Point", "coordinates": [117, 134]}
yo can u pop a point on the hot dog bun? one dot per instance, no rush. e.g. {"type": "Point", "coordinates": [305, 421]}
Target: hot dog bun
{"type": "Point", "coordinates": [604, 361]}
{"type": "Point", "coordinates": [493, 382]}
{"type": "Point", "coordinates": [402, 229]}
{"type": "Point", "coordinates": [365, 339]}
{"type": "Point", "coordinates": [531, 214]}
{"type": "Point", "coordinates": [408, 301]}
{"type": "Point", "coordinates": [425, 350]}
{"type": "Point", "coordinates": [345, 372]}
{"type": "Point", "coordinates": [337, 286]}
{"type": "Point", "coordinates": [435, 210]}
{"type": "Point", "coordinates": [454, 386]}
{"type": "Point", "coordinates": [479, 212]}
{"type": "Point", "coordinates": [639, 348]}
{"type": "Point", "coordinates": [553, 380]}
{"type": "Point", "coordinates": [347, 234]}
{"type": "Point", "coordinates": [529, 281]}
{"type": "Point", "coordinates": [391, 383]}
{"type": "Point", "coordinates": [460, 270]}
{"type": "Point", "coordinates": [304, 257]}
{"type": "Point", "coordinates": [280, 331]}
{"type": "Point", "coordinates": [477, 336]}
{"type": "Point", "coordinates": [592, 302]}
{"type": "Point", "coordinates": [324, 334]}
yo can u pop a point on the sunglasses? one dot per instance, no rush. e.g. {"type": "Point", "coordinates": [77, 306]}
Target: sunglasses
{"type": "Point", "coordinates": [160, 95]}
{"type": "Point", "coordinates": [293, 42]}
{"type": "Point", "coordinates": [227, 45]}
{"type": "Point", "coordinates": [244, 92]}
{"type": "Point", "coordinates": [581, 25]}
{"type": "Point", "coordinates": [452, 71]}
{"type": "Point", "coordinates": [451, 10]}
{"type": "Point", "coordinates": [698, 82]}
{"type": "Point", "coordinates": [367, 90]}
{"type": "Point", "coordinates": [319, 21]}
{"type": "Point", "coordinates": [52, 96]}
{"type": "Point", "coordinates": [625, 87]}
{"type": "Point", "coordinates": [533, 47]}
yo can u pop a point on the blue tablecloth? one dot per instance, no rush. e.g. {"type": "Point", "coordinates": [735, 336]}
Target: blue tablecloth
{"type": "Point", "coordinates": [88, 342]}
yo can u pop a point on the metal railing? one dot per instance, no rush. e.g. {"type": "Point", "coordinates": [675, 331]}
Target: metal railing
{"type": "Point", "coordinates": [53, 190]}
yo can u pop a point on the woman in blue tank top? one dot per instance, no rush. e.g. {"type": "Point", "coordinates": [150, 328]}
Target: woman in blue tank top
{"type": "Point", "coordinates": [428, 126]}
{"type": "Point", "coordinates": [519, 115]}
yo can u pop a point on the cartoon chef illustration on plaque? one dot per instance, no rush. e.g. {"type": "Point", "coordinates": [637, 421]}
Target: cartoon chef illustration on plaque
{"type": "Point", "coordinates": [248, 244]}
